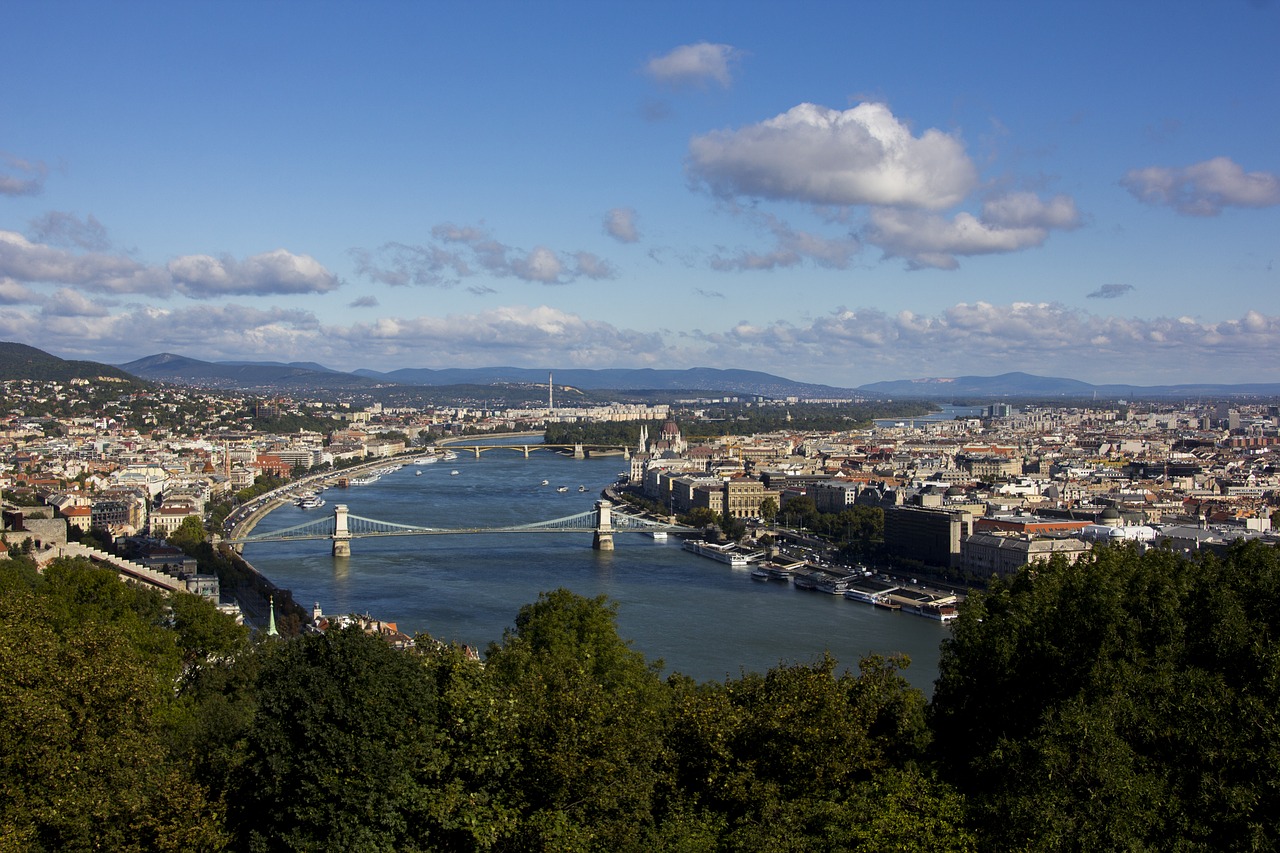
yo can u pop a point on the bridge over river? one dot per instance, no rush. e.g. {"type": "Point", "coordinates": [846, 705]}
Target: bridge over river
{"type": "Point", "coordinates": [602, 522]}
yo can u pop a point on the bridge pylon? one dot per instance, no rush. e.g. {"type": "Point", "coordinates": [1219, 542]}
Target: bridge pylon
{"type": "Point", "coordinates": [341, 535]}
{"type": "Point", "coordinates": [603, 538]}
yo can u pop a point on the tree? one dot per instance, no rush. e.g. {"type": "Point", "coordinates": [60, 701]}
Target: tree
{"type": "Point", "coordinates": [589, 713]}
{"type": "Point", "coordinates": [769, 509]}
{"type": "Point", "coordinates": [1118, 703]}
{"type": "Point", "coordinates": [340, 750]}
{"type": "Point", "coordinates": [87, 674]}
{"type": "Point", "coordinates": [188, 535]}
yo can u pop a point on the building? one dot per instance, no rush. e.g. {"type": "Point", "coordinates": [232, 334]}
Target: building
{"type": "Point", "coordinates": [987, 554]}
{"type": "Point", "coordinates": [927, 534]}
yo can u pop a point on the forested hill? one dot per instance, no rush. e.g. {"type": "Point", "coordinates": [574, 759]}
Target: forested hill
{"type": "Point", "coordinates": [19, 361]}
{"type": "Point", "coordinates": [1125, 703]}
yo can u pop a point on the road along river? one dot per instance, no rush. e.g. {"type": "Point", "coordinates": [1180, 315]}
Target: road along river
{"type": "Point", "coordinates": [698, 616]}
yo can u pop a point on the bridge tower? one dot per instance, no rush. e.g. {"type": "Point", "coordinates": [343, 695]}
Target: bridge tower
{"type": "Point", "coordinates": [341, 535]}
{"type": "Point", "coordinates": [578, 452]}
{"type": "Point", "coordinates": [603, 539]}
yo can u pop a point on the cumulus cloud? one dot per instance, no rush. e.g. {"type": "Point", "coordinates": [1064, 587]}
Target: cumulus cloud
{"type": "Point", "coordinates": [1203, 189]}
{"type": "Point", "coordinates": [13, 293]}
{"type": "Point", "coordinates": [21, 177]}
{"type": "Point", "coordinates": [70, 303]}
{"type": "Point", "coordinates": [860, 156]}
{"type": "Point", "coordinates": [70, 231]}
{"type": "Point", "coordinates": [31, 262]}
{"type": "Point", "coordinates": [196, 276]}
{"type": "Point", "coordinates": [791, 248]}
{"type": "Point", "coordinates": [694, 64]}
{"type": "Point", "coordinates": [620, 224]}
{"type": "Point", "coordinates": [460, 251]}
{"type": "Point", "coordinates": [983, 337]}
{"type": "Point", "coordinates": [1007, 224]}
{"type": "Point", "coordinates": [278, 272]}
{"type": "Point", "coordinates": [843, 347]}
{"type": "Point", "coordinates": [1110, 291]}
{"type": "Point", "coordinates": [400, 264]}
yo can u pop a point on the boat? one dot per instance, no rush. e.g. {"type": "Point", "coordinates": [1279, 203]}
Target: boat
{"type": "Point", "coordinates": [720, 553]}
{"type": "Point", "coordinates": [426, 460]}
{"type": "Point", "coordinates": [455, 472]}
{"type": "Point", "coordinates": [449, 454]}
{"type": "Point", "coordinates": [659, 535]}
{"type": "Point", "coordinates": [313, 502]}
{"type": "Point", "coordinates": [417, 473]}
{"type": "Point", "coordinates": [365, 481]}
{"type": "Point", "coordinates": [582, 488]}
{"type": "Point", "coordinates": [546, 482]}
{"type": "Point", "coordinates": [562, 488]}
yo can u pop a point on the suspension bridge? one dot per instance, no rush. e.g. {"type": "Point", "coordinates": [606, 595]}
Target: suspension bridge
{"type": "Point", "coordinates": [603, 521]}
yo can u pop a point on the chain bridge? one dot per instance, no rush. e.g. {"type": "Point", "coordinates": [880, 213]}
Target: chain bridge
{"type": "Point", "coordinates": [603, 521]}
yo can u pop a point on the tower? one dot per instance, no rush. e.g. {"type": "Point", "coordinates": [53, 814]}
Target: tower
{"type": "Point", "coordinates": [551, 393]}
{"type": "Point", "coordinates": [271, 618]}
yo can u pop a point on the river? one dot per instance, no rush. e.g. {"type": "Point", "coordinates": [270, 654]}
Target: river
{"type": "Point", "coordinates": [700, 617]}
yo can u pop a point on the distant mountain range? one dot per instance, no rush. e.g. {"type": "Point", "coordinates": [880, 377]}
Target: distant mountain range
{"type": "Point", "coordinates": [19, 361]}
{"type": "Point", "coordinates": [167, 367]}
{"type": "Point", "coordinates": [1028, 386]}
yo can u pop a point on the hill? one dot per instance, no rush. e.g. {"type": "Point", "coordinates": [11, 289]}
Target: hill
{"type": "Point", "coordinates": [19, 361]}
{"type": "Point", "coordinates": [1029, 386]}
{"type": "Point", "coordinates": [168, 367]}
{"type": "Point", "coordinates": [694, 379]}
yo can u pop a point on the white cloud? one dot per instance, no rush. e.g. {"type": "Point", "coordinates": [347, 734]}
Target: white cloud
{"type": "Point", "coordinates": [70, 231]}
{"type": "Point", "coordinates": [278, 272]}
{"type": "Point", "coordinates": [1110, 291]}
{"type": "Point", "coordinates": [1008, 224]}
{"type": "Point", "coordinates": [620, 224]}
{"type": "Point", "coordinates": [791, 248]}
{"type": "Point", "coordinates": [440, 264]}
{"type": "Point", "coordinates": [196, 276]}
{"type": "Point", "coordinates": [1037, 337]}
{"type": "Point", "coordinates": [813, 154]}
{"type": "Point", "coordinates": [13, 293]}
{"type": "Point", "coordinates": [693, 64]}
{"type": "Point", "coordinates": [21, 177]}
{"type": "Point", "coordinates": [36, 262]}
{"type": "Point", "coordinates": [1203, 189]}
{"type": "Point", "coordinates": [70, 303]}
{"type": "Point", "coordinates": [844, 347]}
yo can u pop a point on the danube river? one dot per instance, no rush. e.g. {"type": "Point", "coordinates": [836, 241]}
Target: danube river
{"type": "Point", "coordinates": [698, 616]}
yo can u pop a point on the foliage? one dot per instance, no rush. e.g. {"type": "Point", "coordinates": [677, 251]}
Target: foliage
{"type": "Point", "coordinates": [87, 673]}
{"type": "Point", "coordinates": [1119, 703]}
{"type": "Point", "coordinates": [588, 713]}
{"type": "Point", "coordinates": [341, 740]}
{"type": "Point", "coordinates": [1126, 702]}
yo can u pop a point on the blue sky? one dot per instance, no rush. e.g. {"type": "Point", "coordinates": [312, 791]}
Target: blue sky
{"type": "Point", "coordinates": [834, 192]}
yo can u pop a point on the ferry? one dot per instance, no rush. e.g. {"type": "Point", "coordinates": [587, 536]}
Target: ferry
{"type": "Point", "coordinates": [312, 502]}
{"type": "Point", "coordinates": [365, 481]}
{"type": "Point", "coordinates": [426, 460]}
{"type": "Point", "coordinates": [721, 553]}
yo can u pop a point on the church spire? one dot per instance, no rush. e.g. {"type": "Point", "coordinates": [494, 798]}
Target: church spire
{"type": "Point", "coordinates": [271, 619]}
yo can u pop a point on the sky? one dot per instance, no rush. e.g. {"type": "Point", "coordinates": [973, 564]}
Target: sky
{"type": "Point", "coordinates": [839, 193]}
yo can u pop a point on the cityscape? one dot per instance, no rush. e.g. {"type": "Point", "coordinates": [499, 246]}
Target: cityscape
{"type": "Point", "coordinates": [736, 427]}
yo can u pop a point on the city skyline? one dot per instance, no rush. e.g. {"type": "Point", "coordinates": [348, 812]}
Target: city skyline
{"type": "Point", "coordinates": [853, 194]}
